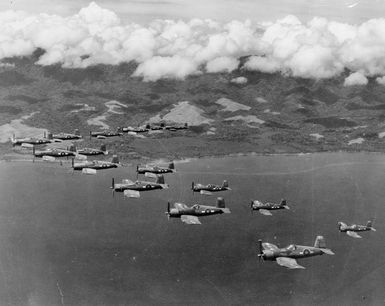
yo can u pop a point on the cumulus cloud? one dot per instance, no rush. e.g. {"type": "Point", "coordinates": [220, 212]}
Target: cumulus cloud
{"type": "Point", "coordinates": [175, 49]}
{"type": "Point", "coordinates": [239, 80]}
{"type": "Point", "coordinates": [381, 80]}
{"type": "Point", "coordinates": [222, 64]}
{"type": "Point", "coordinates": [356, 78]}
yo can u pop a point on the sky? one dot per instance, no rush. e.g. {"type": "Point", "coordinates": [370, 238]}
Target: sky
{"type": "Point", "coordinates": [144, 11]}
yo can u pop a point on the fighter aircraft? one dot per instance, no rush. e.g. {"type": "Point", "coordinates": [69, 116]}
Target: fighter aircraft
{"type": "Point", "coordinates": [176, 127]}
{"type": "Point", "coordinates": [105, 134]}
{"type": "Point", "coordinates": [286, 256]}
{"type": "Point", "coordinates": [155, 169]}
{"type": "Point", "coordinates": [55, 152]}
{"type": "Point", "coordinates": [189, 215]}
{"type": "Point", "coordinates": [132, 189]}
{"type": "Point", "coordinates": [29, 140]}
{"type": "Point", "coordinates": [264, 208]}
{"type": "Point", "coordinates": [208, 189]}
{"type": "Point", "coordinates": [139, 129]}
{"type": "Point", "coordinates": [91, 151]}
{"type": "Point", "coordinates": [90, 167]}
{"type": "Point", "coordinates": [352, 230]}
{"type": "Point", "coordinates": [66, 136]}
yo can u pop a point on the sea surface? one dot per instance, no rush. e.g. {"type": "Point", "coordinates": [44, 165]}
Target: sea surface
{"type": "Point", "coordinates": [66, 239]}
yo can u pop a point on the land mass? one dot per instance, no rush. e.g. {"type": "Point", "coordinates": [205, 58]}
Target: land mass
{"type": "Point", "coordinates": [265, 113]}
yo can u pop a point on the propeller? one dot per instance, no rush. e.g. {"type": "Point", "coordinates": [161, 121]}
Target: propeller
{"type": "Point", "coordinates": [168, 210]}
{"type": "Point", "coordinates": [192, 187]}
{"type": "Point", "coordinates": [251, 207]}
{"type": "Point", "coordinates": [137, 173]}
{"type": "Point", "coordinates": [260, 254]}
{"type": "Point", "coordinates": [113, 187]}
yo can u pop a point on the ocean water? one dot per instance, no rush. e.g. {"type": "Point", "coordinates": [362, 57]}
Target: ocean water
{"type": "Point", "coordinates": [65, 239]}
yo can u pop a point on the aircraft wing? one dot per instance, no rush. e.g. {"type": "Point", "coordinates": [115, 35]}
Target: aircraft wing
{"type": "Point", "coordinates": [127, 182]}
{"type": "Point", "coordinates": [205, 192]}
{"type": "Point", "coordinates": [88, 171]}
{"type": "Point", "coordinates": [353, 234]}
{"type": "Point", "coordinates": [131, 193]}
{"type": "Point", "coordinates": [287, 262]}
{"type": "Point", "coordinates": [48, 158]}
{"type": "Point", "coordinates": [150, 174]}
{"type": "Point", "coordinates": [265, 212]}
{"type": "Point", "coordinates": [190, 219]}
{"type": "Point", "coordinates": [269, 246]}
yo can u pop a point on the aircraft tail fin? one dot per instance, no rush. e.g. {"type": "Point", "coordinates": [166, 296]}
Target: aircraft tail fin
{"type": "Point", "coordinates": [77, 132]}
{"type": "Point", "coordinates": [103, 148]}
{"type": "Point", "coordinates": [186, 125]}
{"type": "Point", "coordinates": [115, 159]}
{"type": "Point", "coordinates": [50, 136]}
{"type": "Point", "coordinates": [171, 166]}
{"type": "Point", "coordinates": [160, 179]}
{"type": "Point", "coordinates": [72, 148]}
{"type": "Point", "coordinates": [221, 202]}
{"type": "Point", "coordinates": [369, 224]}
{"type": "Point", "coordinates": [320, 242]}
{"type": "Point", "coordinates": [283, 202]}
{"type": "Point", "coordinates": [225, 184]}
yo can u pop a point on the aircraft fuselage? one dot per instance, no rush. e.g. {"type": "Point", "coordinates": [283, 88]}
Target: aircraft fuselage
{"type": "Point", "coordinates": [298, 252]}
{"type": "Point", "coordinates": [197, 210]}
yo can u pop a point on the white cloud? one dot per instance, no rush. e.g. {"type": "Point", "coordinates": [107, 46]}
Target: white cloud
{"type": "Point", "coordinates": [174, 49]}
{"type": "Point", "coordinates": [356, 78]}
{"type": "Point", "coordinates": [222, 64]}
{"type": "Point", "coordinates": [381, 80]}
{"type": "Point", "coordinates": [239, 80]}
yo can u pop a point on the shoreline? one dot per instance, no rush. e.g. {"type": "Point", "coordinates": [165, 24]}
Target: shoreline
{"type": "Point", "coordinates": [150, 160]}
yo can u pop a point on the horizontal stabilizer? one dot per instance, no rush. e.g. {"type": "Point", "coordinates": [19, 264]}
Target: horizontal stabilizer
{"type": "Point", "coordinates": [131, 133]}
{"type": "Point", "coordinates": [373, 229]}
{"type": "Point", "coordinates": [353, 234]}
{"type": "Point", "coordinates": [164, 186]}
{"type": "Point", "coordinates": [265, 212]}
{"type": "Point", "coordinates": [48, 158]}
{"type": "Point", "coordinates": [88, 171]}
{"type": "Point", "coordinates": [286, 207]}
{"type": "Point", "coordinates": [205, 192]}
{"type": "Point", "coordinates": [131, 193]}
{"type": "Point", "coordinates": [327, 251]}
{"type": "Point", "coordinates": [101, 137]}
{"type": "Point", "coordinates": [226, 210]}
{"type": "Point", "coordinates": [57, 140]}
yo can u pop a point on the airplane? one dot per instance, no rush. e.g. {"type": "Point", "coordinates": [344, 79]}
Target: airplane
{"type": "Point", "coordinates": [155, 169]}
{"type": "Point", "coordinates": [176, 127]}
{"type": "Point", "coordinates": [132, 189]}
{"type": "Point", "coordinates": [54, 152]}
{"type": "Point", "coordinates": [138, 129]}
{"type": "Point", "coordinates": [29, 140]}
{"type": "Point", "coordinates": [189, 215]}
{"type": "Point", "coordinates": [66, 136]}
{"type": "Point", "coordinates": [105, 134]}
{"type": "Point", "coordinates": [264, 208]}
{"type": "Point", "coordinates": [91, 151]}
{"type": "Point", "coordinates": [352, 230]}
{"type": "Point", "coordinates": [287, 256]}
{"type": "Point", "coordinates": [208, 189]}
{"type": "Point", "coordinates": [90, 167]}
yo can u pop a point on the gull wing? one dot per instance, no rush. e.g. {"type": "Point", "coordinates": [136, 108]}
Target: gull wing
{"type": "Point", "coordinates": [353, 234]}
{"type": "Point", "coordinates": [190, 219]}
{"type": "Point", "coordinates": [205, 192]}
{"type": "Point", "coordinates": [150, 174]}
{"type": "Point", "coordinates": [131, 193]}
{"type": "Point", "coordinates": [88, 171]}
{"type": "Point", "coordinates": [269, 246]}
{"type": "Point", "coordinates": [48, 158]}
{"type": "Point", "coordinates": [265, 212]}
{"type": "Point", "coordinates": [287, 262]}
